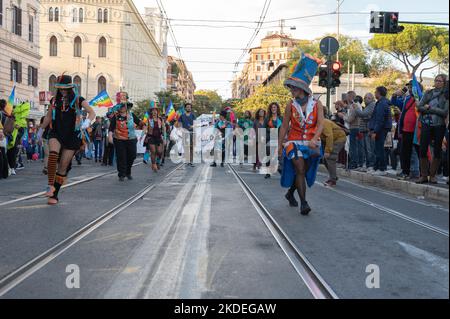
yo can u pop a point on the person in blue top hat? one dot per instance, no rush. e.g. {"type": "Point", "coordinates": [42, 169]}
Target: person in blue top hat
{"type": "Point", "coordinates": [302, 124]}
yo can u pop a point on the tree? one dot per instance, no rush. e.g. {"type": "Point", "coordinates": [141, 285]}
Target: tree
{"type": "Point", "coordinates": [163, 100]}
{"type": "Point", "coordinates": [262, 97]}
{"type": "Point", "coordinates": [207, 101]}
{"type": "Point", "coordinates": [392, 79]}
{"type": "Point", "coordinates": [351, 51]}
{"type": "Point", "coordinates": [414, 46]}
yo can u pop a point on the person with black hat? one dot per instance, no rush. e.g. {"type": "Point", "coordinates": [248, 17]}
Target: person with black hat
{"type": "Point", "coordinates": [303, 125]}
{"type": "Point", "coordinates": [67, 132]}
{"type": "Point", "coordinates": [123, 135]}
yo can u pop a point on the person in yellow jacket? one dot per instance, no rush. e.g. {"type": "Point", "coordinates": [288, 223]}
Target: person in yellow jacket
{"type": "Point", "coordinates": [334, 138]}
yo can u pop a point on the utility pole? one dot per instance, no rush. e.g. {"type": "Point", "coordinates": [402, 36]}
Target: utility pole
{"type": "Point", "coordinates": [282, 24]}
{"type": "Point", "coordinates": [353, 77]}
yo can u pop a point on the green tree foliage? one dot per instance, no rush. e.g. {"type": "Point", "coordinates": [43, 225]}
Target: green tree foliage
{"type": "Point", "coordinates": [414, 46]}
{"type": "Point", "coordinates": [392, 79]}
{"type": "Point", "coordinates": [262, 97]}
{"type": "Point", "coordinates": [351, 51]}
{"type": "Point", "coordinates": [163, 100]}
{"type": "Point", "coordinates": [207, 101]}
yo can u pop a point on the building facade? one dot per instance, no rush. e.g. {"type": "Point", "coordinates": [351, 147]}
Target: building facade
{"type": "Point", "coordinates": [19, 57]}
{"type": "Point", "coordinates": [102, 44]}
{"type": "Point", "coordinates": [275, 49]}
{"type": "Point", "coordinates": [179, 79]}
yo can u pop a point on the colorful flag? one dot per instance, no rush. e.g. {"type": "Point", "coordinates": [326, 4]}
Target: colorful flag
{"type": "Point", "coordinates": [170, 112]}
{"type": "Point", "coordinates": [10, 103]}
{"type": "Point", "coordinates": [101, 100]}
{"type": "Point", "coordinates": [417, 92]}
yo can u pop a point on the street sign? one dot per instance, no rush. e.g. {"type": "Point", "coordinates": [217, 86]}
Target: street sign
{"type": "Point", "coordinates": [329, 46]}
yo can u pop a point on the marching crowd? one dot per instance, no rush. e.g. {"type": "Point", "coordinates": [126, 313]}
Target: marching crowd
{"type": "Point", "coordinates": [401, 135]}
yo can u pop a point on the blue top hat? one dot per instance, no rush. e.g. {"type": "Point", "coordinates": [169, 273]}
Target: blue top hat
{"type": "Point", "coordinates": [303, 74]}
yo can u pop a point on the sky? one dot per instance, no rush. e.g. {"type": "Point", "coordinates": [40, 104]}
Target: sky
{"type": "Point", "coordinates": [232, 37]}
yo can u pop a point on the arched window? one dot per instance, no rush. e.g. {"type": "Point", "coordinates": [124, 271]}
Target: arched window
{"type": "Point", "coordinates": [77, 81]}
{"type": "Point", "coordinates": [99, 15]}
{"type": "Point", "coordinates": [50, 14]}
{"type": "Point", "coordinates": [102, 48]}
{"type": "Point", "coordinates": [51, 84]}
{"type": "Point", "coordinates": [80, 15]}
{"type": "Point", "coordinates": [105, 16]}
{"type": "Point", "coordinates": [56, 14]}
{"type": "Point", "coordinates": [101, 84]}
{"type": "Point", "coordinates": [53, 46]}
{"type": "Point", "coordinates": [77, 47]}
{"type": "Point", "coordinates": [74, 15]}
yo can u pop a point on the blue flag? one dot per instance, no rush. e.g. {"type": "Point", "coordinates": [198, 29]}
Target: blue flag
{"type": "Point", "coordinates": [417, 92]}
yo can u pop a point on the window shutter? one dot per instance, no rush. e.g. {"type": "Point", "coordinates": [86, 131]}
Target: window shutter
{"type": "Point", "coordinates": [12, 70]}
{"type": "Point", "coordinates": [35, 77]}
{"type": "Point", "coordinates": [30, 75]}
{"type": "Point", "coordinates": [19, 21]}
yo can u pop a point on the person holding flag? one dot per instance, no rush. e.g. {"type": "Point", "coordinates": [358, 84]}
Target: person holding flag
{"type": "Point", "coordinates": [433, 109]}
{"type": "Point", "coordinates": [67, 132]}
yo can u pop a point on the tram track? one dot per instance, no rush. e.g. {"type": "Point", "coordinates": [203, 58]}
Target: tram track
{"type": "Point", "coordinates": [309, 275]}
{"type": "Point", "coordinates": [82, 181]}
{"type": "Point", "coordinates": [15, 277]}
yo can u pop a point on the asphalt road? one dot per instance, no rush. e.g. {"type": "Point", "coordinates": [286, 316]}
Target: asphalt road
{"type": "Point", "coordinates": [196, 234]}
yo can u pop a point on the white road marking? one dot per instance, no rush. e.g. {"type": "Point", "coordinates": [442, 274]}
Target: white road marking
{"type": "Point", "coordinates": [437, 262]}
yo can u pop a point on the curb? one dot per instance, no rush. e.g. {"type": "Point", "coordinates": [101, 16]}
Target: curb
{"type": "Point", "coordinates": [410, 188]}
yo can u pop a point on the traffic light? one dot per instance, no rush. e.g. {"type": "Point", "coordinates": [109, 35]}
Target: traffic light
{"type": "Point", "coordinates": [336, 74]}
{"type": "Point", "coordinates": [391, 23]}
{"type": "Point", "coordinates": [323, 75]}
{"type": "Point", "coordinates": [384, 22]}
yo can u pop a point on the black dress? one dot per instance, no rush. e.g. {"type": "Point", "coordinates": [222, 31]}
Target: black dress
{"type": "Point", "coordinates": [63, 126]}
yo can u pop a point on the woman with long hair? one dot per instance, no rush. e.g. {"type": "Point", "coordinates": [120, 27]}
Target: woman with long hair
{"type": "Point", "coordinates": [259, 123]}
{"type": "Point", "coordinates": [155, 145]}
{"type": "Point", "coordinates": [273, 121]}
{"type": "Point", "coordinates": [67, 132]}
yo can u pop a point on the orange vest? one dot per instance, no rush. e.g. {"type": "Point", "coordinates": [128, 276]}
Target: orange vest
{"type": "Point", "coordinates": [303, 131]}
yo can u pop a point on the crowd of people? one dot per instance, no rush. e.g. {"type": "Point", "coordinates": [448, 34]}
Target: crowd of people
{"type": "Point", "coordinates": [399, 135]}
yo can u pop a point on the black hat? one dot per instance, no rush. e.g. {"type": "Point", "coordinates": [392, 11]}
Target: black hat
{"type": "Point", "coordinates": [64, 82]}
{"type": "Point", "coordinates": [223, 113]}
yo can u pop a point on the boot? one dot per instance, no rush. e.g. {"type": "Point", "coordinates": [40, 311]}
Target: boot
{"type": "Point", "coordinates": [423, 179]}
{"type": "Point", "coordinates": [434, 168]}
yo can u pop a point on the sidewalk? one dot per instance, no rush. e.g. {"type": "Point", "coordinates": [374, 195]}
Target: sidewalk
{"type": "Point", "coordinates": [438, 192]}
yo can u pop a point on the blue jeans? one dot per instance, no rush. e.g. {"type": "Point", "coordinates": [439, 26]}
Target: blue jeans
{"type": "Point", "coordinates": [98, 149]}
{"type": "Point", "coordinates": [380, 162]}
{"type": "Point", "coordinates": [415, 171]}
{"type": "Point", "coordinates": [354, 150]}
{"type": "Point", "coordinates": [369, 150]}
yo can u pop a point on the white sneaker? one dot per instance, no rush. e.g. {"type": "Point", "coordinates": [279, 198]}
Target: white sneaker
{"type": "Point", "coordinates": [370, 170]}
{"type": "Point", "coordinates": [13, 172]}
{"type": "Point", "coordinates": [391, 172]}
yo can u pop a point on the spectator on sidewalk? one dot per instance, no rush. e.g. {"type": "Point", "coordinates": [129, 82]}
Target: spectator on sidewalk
{"type": "Point", "coordinates": [364, 116]}
{"type": "Point", "coordinates": [405, 101]}
{"type": "Point", "coordinates": [379, 125]}
{"type": "Point", "coordinates": [433, 109]}
{"type": "Point", "coordinates": [352, 121]}
{"type": "Point", "coordinates": [97, 136]}
{"type": "Point", "coordinates": [334, 138]}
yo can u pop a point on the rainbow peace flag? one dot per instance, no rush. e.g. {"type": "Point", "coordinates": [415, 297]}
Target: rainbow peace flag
{"type": "Point", "coordinates": [101, 100]}
{"type": "Point", "coordinates": [170, 112]}
{"type": "Point", "coordinates": [10, 102]}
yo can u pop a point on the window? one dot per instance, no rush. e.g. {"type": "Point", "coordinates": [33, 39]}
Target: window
{"type": "Point", "coordinates": [16, 20]}
{"type": "Point", "coordinates": [16, 71]}
{"type": "Point", "coordinates": [53, 46]}
{"type": "Point", "coordinates": [51, 84]}
{"type": "Point", "coordinates": [258, 68]}
{"type": "Point", "coordinates": [77, 47]}
{"type": "Point", "coordinates": [50, 14]}
{"type": "Point", "coordinates": [101, 84]}
{"type": "Point", "coordinates": [56, 14]}
{"type": "Point", "coordinates": [30, 27]}
{"type": "Point", "coordinates": [77, 81]}
{"type": "Point", "coordinates": [74, 15]}
{"type": "Point", "coordinates": [102, 48]}
{"type": "Point", "coordinates": [32, 76]}
{"type": "Point", "coordinates": [99, 16]}
{"type": "Point", "coordinates": [80, 15]}
{"type": "Point", "coordinates": [105, 16]}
